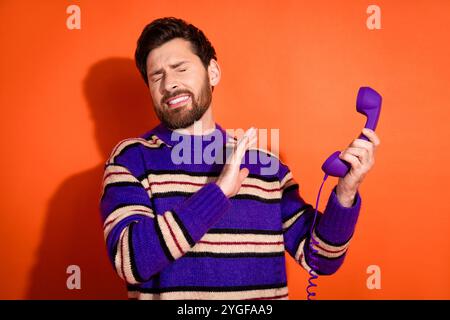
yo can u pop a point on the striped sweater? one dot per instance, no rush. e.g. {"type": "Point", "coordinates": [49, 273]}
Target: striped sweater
{"type": "Point", "coordinates": [171, 233]}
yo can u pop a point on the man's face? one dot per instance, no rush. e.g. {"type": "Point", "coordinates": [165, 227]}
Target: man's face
{"type": "Point", "coordinates": [178, 83]}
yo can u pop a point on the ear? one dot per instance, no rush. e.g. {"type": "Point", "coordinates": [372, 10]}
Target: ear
{"type": "Point", "coordinates": [213, 72]}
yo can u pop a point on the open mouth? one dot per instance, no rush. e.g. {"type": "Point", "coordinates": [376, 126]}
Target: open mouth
{"type": "Point", "coordinates": [178, 101]}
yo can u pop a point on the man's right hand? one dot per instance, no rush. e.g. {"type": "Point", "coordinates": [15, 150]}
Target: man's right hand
{"type": "Point", "coordinates": [231, 177]}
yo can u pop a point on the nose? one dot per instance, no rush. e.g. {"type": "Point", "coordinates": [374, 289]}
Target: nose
{"type": "Point", "coordinates": [170, 83]}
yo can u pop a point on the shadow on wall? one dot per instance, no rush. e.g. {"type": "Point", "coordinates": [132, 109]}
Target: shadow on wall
{"type": "Point", "coordinates": [121, 107]}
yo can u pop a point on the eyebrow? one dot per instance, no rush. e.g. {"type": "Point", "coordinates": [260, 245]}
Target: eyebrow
{"type": "Point", "coordinates": [173, 66]}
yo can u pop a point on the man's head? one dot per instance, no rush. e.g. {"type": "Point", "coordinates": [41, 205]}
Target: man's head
{"type": "Point", "coordinates": [179, 66]}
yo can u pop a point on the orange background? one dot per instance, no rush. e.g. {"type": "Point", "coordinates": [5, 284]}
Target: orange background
{"type": "Point", "coordinates": [68, 96]}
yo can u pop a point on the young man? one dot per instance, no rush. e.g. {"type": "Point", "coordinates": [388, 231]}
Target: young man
{"type": "Point", "coordinates": [196, 229]}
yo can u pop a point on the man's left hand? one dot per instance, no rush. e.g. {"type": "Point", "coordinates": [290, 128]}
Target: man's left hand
{"type": "Point", "coordinates": [361, 156]}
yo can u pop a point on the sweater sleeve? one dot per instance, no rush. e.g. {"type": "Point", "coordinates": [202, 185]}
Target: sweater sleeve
{"type": "Point", "coordinates": [332, 233]}
{"type": "Point", "coordinates": [140, 242]}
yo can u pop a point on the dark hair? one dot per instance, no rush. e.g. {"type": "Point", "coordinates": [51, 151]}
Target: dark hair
{"type": "Point", "coordinates": [165, 29]}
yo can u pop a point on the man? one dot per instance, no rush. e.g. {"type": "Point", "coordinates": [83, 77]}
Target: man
{"type": "Point", "coordinates": [212, 230]}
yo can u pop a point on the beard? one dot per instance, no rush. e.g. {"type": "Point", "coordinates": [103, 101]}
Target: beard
{"type": "Point", "coordinates": [184, 116]}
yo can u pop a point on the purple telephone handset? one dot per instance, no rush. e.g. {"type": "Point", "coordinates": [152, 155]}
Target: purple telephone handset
{"type": "Point", "coordinates": [368, 103]}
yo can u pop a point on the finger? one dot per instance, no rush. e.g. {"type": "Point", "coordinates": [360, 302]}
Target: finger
{"type": "Point", "coordinates": [238, 142]}
{"type": "Point", "coordinates": [252, 142]}
{"type": "Point", "coordinates": [239, 149]}
{"type": "Point", "coordinates": [360, 143]}
{"type": "Point", "coordinates": [243, 173]}
{"type": "Point", "coordinates": [361, 153]}
{"type": "Point", "coordinates": [243, 143]}
{"type": "Point", "coordinates": [353, 160]}
{"type": "Point", "coordinates": [372, 136]}
{"type": "Point", "coordinates": [243, 140]}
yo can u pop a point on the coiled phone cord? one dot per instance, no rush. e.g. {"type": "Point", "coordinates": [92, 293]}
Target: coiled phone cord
{"type": "Point", "coordinates": [312, 241]}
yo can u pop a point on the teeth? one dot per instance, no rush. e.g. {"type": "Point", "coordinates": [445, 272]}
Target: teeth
{"type": "Point", "coordinates": [174, 101]}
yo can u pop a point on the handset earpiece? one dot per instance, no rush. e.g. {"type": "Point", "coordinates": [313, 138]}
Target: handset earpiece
{"type": "Point", "coordinates": [368, 102]}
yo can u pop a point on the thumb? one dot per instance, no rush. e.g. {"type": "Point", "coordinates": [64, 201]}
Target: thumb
{"type": "Point", "coordinates": [243, 173]}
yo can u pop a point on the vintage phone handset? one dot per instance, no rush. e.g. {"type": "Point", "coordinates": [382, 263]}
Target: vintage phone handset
{"type": "Point", "coordinates": [368, 102]}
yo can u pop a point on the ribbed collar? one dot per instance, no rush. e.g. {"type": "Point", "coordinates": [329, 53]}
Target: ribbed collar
{"type": "Point", "coordinates": [170, 138]}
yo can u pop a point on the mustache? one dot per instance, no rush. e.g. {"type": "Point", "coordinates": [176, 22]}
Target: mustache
{"type": "Point", "coordinates": [168, 95]}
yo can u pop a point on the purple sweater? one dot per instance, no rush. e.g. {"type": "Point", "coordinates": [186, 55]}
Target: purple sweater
{"type": "Point", "coordinates": [171, 233]}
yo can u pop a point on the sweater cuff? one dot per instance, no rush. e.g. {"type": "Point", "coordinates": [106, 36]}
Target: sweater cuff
{"type": "Point", "coordinates": [337, 223]}
{"type": "Point", "coordinates": [203, 209]}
